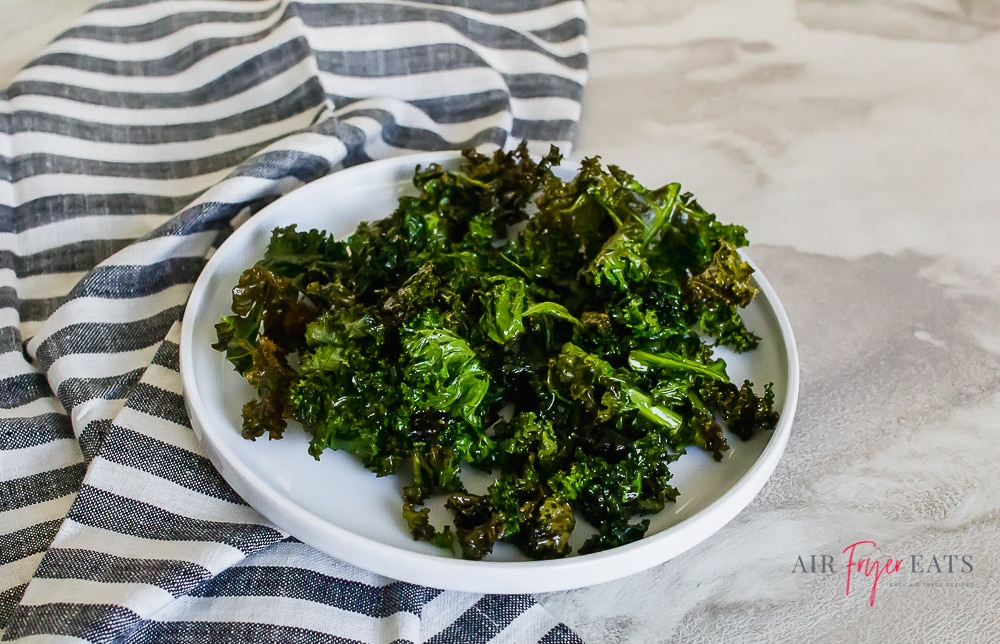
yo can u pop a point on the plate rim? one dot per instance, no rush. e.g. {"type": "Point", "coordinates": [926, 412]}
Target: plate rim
{"type": "Point", "coordinates": [455, 573]}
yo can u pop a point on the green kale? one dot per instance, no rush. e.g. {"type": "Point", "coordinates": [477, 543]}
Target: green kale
{"type": "Point", "coordinates": [503, 302]}
{"type": "Point", "coordinates": [442, 373]}
{"type": "Point", "coordinates": [718, 293]}
{"type": "Point", "coordinates": [555, 333]}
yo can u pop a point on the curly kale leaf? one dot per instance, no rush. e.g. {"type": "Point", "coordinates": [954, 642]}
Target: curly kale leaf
{"type": "Point", "coordinates": [304, 256]}
{"type": "Point", "coordinates": [602, 390]}
{"type": "Point", "coordinates": [267, 325]}
{"type": "Point", "coordinates": [271, 376]}
{"type": "Point", "coordinates": [547, 532]}
{"type": "Point", "coordinates": [418, 521]}
{"type": "Point", "coordinates": [620, 263]}
{"type": "Point", "coordinates": [342, 395]}
{"type": "Point", "coordinates": [692, 235]}
{"type": "Point", "coordinates": [236, 336]}
{"type": "Point", "coordinates": [526, 439]}
{"type": "Point", "coordinates": [743, 410]}
{"type": "Point", "coordinates": [441, 372]}
{"type": "Point", "coordinates": [435, 470]}
{"type": "Point", "coordinates": [263, 304]}
{"type": "Point", "coordinates": [718, 293]}
{"type": "Point", "coordinates": [503, 302]}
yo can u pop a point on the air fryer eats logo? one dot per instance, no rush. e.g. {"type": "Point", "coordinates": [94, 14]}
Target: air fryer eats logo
{"type": "Point", "coordinates": [865, 570]}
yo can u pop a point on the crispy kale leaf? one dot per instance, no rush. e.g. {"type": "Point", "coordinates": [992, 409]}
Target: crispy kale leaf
{"type": "Point", "coordinates": [556, 333]}
{"type": "Point", "coordinates": [266, 325]}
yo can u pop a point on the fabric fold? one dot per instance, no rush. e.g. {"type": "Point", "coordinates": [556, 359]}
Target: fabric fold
{"type": "Point", "coordinates": [129, 149]}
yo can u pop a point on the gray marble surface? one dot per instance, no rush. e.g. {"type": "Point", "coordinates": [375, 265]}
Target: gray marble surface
{"type": "Point", "coordinates": [860, 144]}
{"type": "Point", "coordinates": [859, 141]}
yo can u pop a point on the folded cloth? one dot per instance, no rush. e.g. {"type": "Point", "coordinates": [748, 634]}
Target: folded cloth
{"type": "Point", "coordinates": [128, 151]}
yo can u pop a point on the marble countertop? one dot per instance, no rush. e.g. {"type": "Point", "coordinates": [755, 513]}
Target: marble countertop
{"type": "Point", "coordinates": [860, 144]}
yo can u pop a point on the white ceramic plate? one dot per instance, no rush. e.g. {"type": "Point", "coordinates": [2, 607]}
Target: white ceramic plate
{"type": "Point", "coordinates": [340, 508]}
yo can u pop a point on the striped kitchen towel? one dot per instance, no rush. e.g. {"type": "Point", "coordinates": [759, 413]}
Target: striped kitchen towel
{"type": "Point", "coordinates": [128, 150]}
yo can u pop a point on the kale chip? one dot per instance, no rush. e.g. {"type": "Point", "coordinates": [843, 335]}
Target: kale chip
{"type": "Point", "coordinates": [558, 334]}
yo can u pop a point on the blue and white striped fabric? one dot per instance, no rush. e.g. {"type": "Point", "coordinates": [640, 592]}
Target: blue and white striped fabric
{"type": "Point", "coordinates": [129, 149]}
